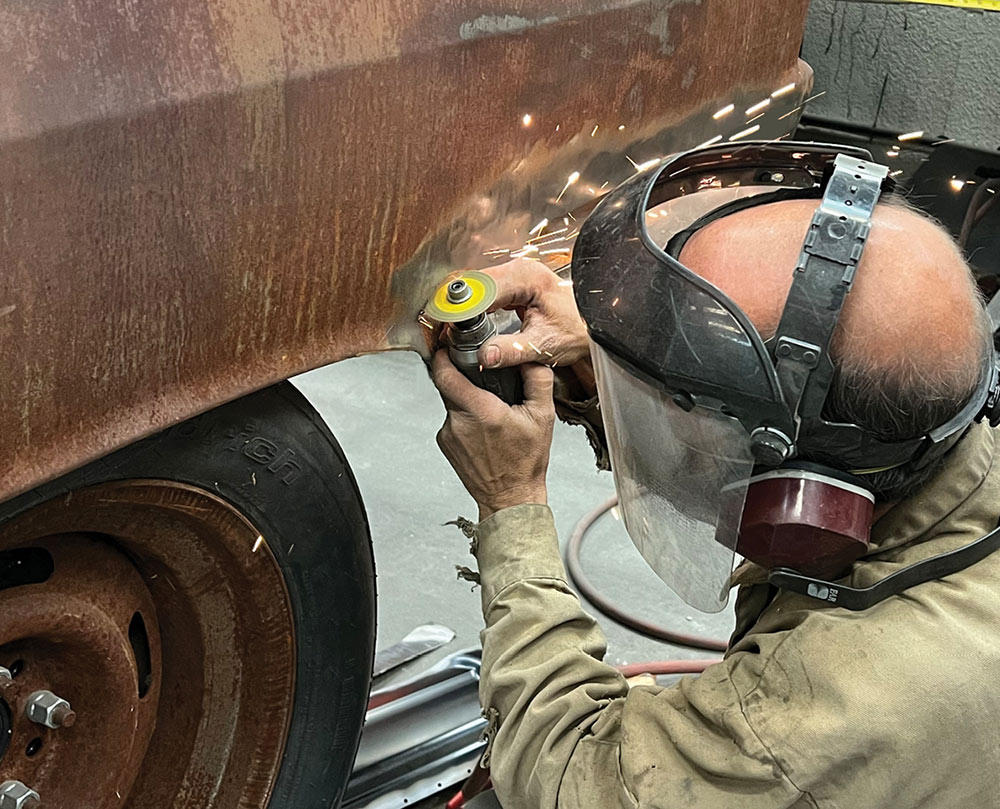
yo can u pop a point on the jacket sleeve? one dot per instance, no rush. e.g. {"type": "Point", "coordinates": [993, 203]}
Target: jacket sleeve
{"type": "Point", "coordinates": [565, 729]}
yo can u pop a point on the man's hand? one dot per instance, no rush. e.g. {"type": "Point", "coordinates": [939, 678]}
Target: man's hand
{"type": "Point", "coordinates": [500, 453]}
{"type": "Point", "coordinates": [553, 332]}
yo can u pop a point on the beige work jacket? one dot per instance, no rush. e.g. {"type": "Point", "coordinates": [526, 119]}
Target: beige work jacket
{"type": "Point", "coordinates": [897, 707]}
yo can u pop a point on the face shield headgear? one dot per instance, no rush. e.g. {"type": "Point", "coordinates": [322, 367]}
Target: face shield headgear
{"type": "Point", "coordinates": [696, 405]}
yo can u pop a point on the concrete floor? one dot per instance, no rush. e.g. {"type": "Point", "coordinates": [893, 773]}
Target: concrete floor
{"type": "Point", "coordinates": [385, 412]}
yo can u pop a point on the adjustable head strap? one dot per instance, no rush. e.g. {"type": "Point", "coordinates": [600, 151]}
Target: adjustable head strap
{"type": "Point", "coordinates": [823, 277]}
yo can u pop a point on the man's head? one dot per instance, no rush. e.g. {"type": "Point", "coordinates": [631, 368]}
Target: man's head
{"type": "Point", "coordinates": [909, 344]}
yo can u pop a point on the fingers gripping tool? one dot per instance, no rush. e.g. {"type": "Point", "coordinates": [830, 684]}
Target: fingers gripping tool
{"type": "Point", "coordinates": [462, 303]}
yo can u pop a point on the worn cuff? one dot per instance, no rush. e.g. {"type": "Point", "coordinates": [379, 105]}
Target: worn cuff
{"type": "Point", "coordinates": [516, 544]}
{"type": "Point", "coordinates": [575, 406]}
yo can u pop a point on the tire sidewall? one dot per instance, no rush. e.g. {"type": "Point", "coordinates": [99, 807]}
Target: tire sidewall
{"type": "Point", "coordinates": [271, 456]}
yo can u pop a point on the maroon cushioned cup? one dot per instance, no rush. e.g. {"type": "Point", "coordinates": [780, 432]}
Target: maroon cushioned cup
{"type": "Point", "coordinates": [814, 524]}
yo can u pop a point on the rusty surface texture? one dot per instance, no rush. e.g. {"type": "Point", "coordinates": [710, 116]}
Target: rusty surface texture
{"type": "Point", "coordinates": [200, 198]}
{"type": "Point", "coordinates": [70, 634]}
{"type": "Point", "coordinates": [205, 725]}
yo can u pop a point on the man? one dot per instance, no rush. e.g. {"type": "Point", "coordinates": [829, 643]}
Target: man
{"type": "Point", "coordinates": [814, 705]}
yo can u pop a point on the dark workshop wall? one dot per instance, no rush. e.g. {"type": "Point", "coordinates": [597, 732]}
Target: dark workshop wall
{"type": "Point", "coordinates": [905, 66]}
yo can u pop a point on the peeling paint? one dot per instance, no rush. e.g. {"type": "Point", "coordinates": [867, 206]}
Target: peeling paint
{"type": "Point", "coordinates": [660, 25]}
{"type": "Point", "coordinates": [492, 24]}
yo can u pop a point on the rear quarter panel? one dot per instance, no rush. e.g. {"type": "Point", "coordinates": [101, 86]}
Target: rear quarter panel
{"type": "Point", "coordinates": [200, 198]}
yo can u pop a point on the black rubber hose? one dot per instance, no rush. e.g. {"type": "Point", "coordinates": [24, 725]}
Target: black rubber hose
{"type": "Point", "coordinates": [616, 614]}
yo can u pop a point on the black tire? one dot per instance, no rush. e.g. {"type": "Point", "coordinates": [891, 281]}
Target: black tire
{"type": "Point", "coordinates": [273, 458]}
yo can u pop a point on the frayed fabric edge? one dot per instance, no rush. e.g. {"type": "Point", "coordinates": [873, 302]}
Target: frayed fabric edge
{"type": "Point", "coordinates": [464, 573]}
{"type": "Point", "coordinates": [468, 528]}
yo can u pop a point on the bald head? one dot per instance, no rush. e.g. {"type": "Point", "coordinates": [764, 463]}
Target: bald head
{"type": "Point", "coordinates": [913, 309]}
{"type": "Point", "coordinates": [912, 335]}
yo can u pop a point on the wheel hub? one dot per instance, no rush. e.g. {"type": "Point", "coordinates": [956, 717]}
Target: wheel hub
{"type": "Point", "coordinates": [70, 631]}
{"type": "Point", "coordinates": [150, 651]}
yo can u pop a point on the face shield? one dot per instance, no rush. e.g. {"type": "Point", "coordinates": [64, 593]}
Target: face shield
{"type": "Point", "coordinates": [688, 389]}
{"type": "Point", "coordinates": [681, 476]}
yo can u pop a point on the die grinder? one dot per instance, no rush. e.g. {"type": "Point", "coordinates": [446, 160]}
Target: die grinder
{"type": "Point", "coordinates": [462, 303]}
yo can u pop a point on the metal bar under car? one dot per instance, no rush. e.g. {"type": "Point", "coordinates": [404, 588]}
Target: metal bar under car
{"type": "Point", "coordinates": [420, 736]}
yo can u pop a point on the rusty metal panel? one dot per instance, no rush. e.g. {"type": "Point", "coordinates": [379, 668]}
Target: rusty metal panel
{"type": "Point", "coordinates": [200, 198]}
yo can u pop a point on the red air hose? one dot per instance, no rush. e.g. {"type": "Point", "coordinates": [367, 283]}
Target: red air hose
{"type": "Point", "coordinates": [663, 667]}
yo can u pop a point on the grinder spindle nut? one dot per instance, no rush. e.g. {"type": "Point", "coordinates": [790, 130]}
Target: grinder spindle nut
{"type": "Point", "coordinates": [462, 298]}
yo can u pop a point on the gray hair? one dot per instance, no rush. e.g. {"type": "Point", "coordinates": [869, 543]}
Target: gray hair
{"type": "Point", "coordinates": [906, 401]}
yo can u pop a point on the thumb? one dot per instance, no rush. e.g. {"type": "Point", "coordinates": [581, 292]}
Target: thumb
{"type": "Point", "coordinates": [505, 350]}
{"type": "Point", "coordinates": [538, 381]}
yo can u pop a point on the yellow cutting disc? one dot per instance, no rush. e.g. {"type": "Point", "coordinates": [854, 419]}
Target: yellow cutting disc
{"type": "Point", "coordinates": [482, 291]}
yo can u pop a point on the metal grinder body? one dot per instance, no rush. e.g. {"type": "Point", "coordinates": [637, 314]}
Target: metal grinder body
{"type": "Point", "coordinates": [462, 304]}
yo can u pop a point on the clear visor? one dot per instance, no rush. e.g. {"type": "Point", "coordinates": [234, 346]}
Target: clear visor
{"type": "Point", "coordinates": [681, 477]}
{"type": "Point", "coordinates": [666, 218]}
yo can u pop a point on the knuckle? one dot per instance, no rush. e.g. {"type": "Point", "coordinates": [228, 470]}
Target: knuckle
{"type": "Point", "coordinates": [493, 427]}
{"type": "Point", "coordinates": [535, 269]}
{"type": "Point", "coordinates": [545, 337]}
{"type": "Point", "coordinates": [548, 279]}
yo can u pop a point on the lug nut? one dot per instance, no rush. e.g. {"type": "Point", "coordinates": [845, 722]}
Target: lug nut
{"type": "Point", "coordinates": [15, 795]}
{"type": "Point", "coordinates": [5, 676]}
{"type": "Point", "coordinates": [47, 709]}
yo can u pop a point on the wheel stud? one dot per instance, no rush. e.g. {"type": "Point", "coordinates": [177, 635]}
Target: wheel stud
{"type": "Point", "coordinates": [47, 709]}
{"type": "Point", "coordinates": [15, 795]}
